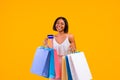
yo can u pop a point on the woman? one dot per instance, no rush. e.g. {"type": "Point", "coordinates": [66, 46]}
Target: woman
{"type": "Point", "coordinates": [62, 41]}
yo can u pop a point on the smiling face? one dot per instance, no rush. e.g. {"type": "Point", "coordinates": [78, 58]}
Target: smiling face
{"type": "Point", "coordinates": [60, 25]}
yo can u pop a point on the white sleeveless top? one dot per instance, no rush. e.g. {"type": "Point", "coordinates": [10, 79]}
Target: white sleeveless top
{"type": "Point", "coordinates": [63, 48]}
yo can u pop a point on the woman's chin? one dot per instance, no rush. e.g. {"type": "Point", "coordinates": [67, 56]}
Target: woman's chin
{"type": "Point", "coordinates": [60, 31]}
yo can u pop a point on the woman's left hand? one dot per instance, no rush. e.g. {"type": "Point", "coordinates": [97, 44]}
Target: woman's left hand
{"type": "Point", "coordinates": [72, 48]}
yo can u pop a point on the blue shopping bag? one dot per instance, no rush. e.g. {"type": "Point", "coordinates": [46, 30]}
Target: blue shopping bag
{"type": "Point", "coordinates": [52, 64]}
{"type": "Point", "coordinates": [68, 68]}
{"type": "Point", "coordinates": [45, 72]}
{"type": "Point", "coordinates": [43, 63]}
{"type": "Point", "coordinates": [49, 69]}
{"type": "Point", "coordinates": [39, 63]}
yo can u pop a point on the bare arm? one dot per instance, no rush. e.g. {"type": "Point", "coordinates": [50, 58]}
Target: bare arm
{"type": "Point", "coordinates": [72, 43]}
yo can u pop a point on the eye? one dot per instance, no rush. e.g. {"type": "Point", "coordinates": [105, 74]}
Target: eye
{"type": "Point", "coordinates": [62, 24]}
{"type": "Point", "coordinates": [57, 22]}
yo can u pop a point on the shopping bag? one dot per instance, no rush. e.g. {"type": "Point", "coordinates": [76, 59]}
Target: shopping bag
{"type": "Point", "coordinates": [45, 72]}
{"type": "Point", "coordinates": [57, 65]}
{"type": "Point", "coordinates": [64, 72]}
{"type": "Point", "coordinates": [40, 61]}
{"type": "Point", "coordinates": [68, 68]}
{"type": "Point", "coordinates": [72, 69]}
{"type": "Point", "coordinates": [80, 66]}
{"type": "Point", "coordinates": [43, 63]}
{"type": "Point", "coordinates": [52, 65]}
{"type": "Point", "coordinates": [49, 71]}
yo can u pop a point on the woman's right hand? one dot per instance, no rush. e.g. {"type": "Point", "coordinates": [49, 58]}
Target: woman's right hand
{"type": "Point", "coordinates": [45, 42]}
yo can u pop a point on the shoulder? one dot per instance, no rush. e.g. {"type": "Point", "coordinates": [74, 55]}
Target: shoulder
{"type": "Point", "coordinates": [56, 35]}
{"type": "Point", "coordinates": [70, 36]}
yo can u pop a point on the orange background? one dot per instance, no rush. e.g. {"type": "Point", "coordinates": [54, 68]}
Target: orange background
{"type": "Point", "coordinates": [25, 23]}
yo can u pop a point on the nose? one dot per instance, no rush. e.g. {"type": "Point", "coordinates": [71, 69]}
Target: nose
{"type": "Point", "coordinates": [60, 24]}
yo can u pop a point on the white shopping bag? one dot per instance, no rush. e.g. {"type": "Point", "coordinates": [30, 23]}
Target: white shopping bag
{"type": "Point", "coordinates": [79, 66]}
{"type": "Point", "coordinates": [72, 69]}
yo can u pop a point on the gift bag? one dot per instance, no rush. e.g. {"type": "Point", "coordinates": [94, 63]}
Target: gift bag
{"type": "Point", "coordinates": [41, 58]}
{"type": "Point", "coordinates": [64, 72]}
{"type": "Point", "coordinates": [43, 63]}
{"type": "Point", "coordinates": [68, 68]}
{"type": "Point", "coordinates": [52, 64]}
{"type": "Point", "coordinates": [72, 69]}
{"type": "Point", "coordinates": [57, 65]}
{"type": "Point", "coordinates": [80, 67]}
{"type": "Point", "coordinates": [45, 71]}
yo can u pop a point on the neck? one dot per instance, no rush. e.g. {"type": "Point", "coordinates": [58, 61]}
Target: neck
{"type": "Point", "coordinates": [61, 33]}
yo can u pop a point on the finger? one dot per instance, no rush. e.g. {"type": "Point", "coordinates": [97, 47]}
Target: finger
{"type": "Point", "coordinates": [73, 50]}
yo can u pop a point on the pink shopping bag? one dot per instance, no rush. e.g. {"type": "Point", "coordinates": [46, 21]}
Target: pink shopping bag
{"type": "Point", "coordinates": [57, 65]}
